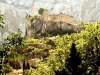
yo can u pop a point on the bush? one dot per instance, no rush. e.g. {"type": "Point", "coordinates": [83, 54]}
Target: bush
{"type": "Point", "coordinates": [40, 11]}
{"type": "Point", "coordinates": [7, 68]}
{"type": "Point", "coordinates": [9, 45]}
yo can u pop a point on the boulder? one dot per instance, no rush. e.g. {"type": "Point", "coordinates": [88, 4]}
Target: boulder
{"type": "Point", "coordinates": [14, 64]}
{"type": "Point", "coordinates": [32, 62]}
{"type": "Point", "coordinates": [29, 63]}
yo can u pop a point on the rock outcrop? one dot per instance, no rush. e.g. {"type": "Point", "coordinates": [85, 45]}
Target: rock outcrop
{"type": "Point", "coordinates": [14, 64]}
{"type": "Point", "coordinates": [32, 62]}
{"type": "Point", "coordinates": [52, 25]}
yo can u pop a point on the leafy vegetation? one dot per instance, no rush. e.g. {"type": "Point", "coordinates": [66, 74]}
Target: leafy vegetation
{"type": "Point", "coordinates": [7, 68]}
{"type": "Point", "coordinates": [87, 44]}
{"type": "Point", "coordinates": [40, 11]}
{"type": "Point", "coordinates": [10, 44]}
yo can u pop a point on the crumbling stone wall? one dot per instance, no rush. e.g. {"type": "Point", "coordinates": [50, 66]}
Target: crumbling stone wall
{"type": "Point", "coordinates": [62, 17]}
{"type": "Point", "coordinates": [57, 17]}
{"type": "Point", "coordinates": [45, 15]}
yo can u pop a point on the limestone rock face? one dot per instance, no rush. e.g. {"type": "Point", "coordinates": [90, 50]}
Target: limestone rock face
{"type": "Point", "coordinates": [41, 26]}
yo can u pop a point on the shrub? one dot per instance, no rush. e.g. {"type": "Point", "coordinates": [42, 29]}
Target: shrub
{"type": "Point", "coordinates": [7, 68]}
{"type": "Point", "coordinates": [40, 11]}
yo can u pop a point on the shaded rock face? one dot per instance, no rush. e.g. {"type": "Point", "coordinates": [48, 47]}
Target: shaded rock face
{"type": "Point", "coordinates": [69, 28]}
{"type": "Point", "coordinates": [37, 27]}
{"type": "Point", "coordinates": [36, 54]}
{"type": "Point", "coordinates": [30, 53]}
{"type": "Point", "coordinates": [41, 54]}
{"type": "Point", "coordinates": [15, 64]}
{"type": "Point", "coordinates": [50, 27]}
{"type": "Point", "coordinates": [30, 63]}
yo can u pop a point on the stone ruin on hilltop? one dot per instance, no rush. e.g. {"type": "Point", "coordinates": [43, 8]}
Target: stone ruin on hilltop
{"type": "Point", "coordinates": [40, 26]}
{"type": "Point", "coordinates": [57, 17]}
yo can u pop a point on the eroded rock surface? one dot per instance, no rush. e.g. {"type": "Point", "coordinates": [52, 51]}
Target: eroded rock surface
{"type": "Point", "coordinates": [41, 26]}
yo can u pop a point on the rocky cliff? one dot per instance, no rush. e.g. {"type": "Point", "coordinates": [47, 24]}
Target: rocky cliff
{"type": "Point", "coordinates": [44, 25]}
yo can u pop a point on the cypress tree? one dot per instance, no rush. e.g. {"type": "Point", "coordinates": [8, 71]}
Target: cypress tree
{"type": "Point", "coordinates": [74, 60]}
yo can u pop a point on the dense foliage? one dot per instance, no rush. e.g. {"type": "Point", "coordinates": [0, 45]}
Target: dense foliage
{"type": "Point", "coordinates": [87, 44]}
{"type": "Point", "coordinates": [9, 45]}
{"type": "Point", "coordinates": [40, 11]}
{"type": "Point", "coordinates": [8, 51]}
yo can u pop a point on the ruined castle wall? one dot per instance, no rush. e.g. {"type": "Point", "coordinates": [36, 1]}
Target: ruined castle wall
{"type": "Point", "coordinates": [45, 15]}
{"type": "Point", "coordinates": [62, 17]}
{"type": "Point", "coordinates": [57, 17]}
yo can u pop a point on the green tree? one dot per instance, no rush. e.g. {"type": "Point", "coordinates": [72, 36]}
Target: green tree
{"type": "Point", "coordinates": [40, 11]}
{"type": "Point", "coordinates": [74, 60]}
{"type": "Point", "coordinates": [11, 43]}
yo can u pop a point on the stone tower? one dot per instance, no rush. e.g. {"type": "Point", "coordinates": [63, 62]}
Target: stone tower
{"type": "Point", "coordinates": [45, 15]}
